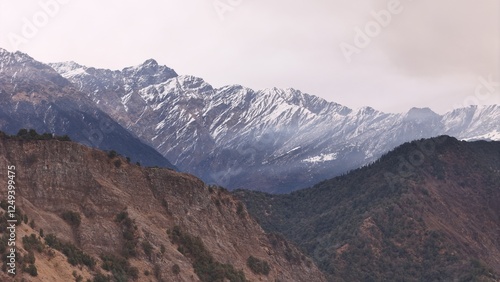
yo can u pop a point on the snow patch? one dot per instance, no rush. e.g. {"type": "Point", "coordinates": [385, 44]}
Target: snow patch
{"type": "Point", "coordinates": [293, 150]}
{"type": "Point", "coordinates": [493, 136]}
{"type": "Point", "coordinates": [321, 158]}
{"type": "Point", "coordinates": [74, 73]}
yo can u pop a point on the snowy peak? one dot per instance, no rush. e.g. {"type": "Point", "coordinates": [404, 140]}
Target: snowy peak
{"type": "Point", "coordinates": [420, 111]}
{"type": "Point", "coordinates": [183, 87]}
{"type": "Point", "coordinates": [146, 74]}
{"type": "Point", "coordinates": [313, 104]}
{"type": "Point", "coordinates": [104, 80]}
{"type": "Point", "coordinates": [474, 122]}
{"type": "Point", "coordinates": [421, 115]}
{"type": "Point", "coordinates": [150, 63]}
{"type": "Point", "coordinates": [193, 83]}
{"type": "Point", "coordinates": [365, 111]}
{"type": "Point", "coordinates": [64, 67]}
{"type": "Point", "coordinates": [21, 67]}
{"type": "Point", "coordinates": [18, 56]}
{"type": "Point", "coordinates": [158, 81]}
{"type": "Point", "coordinates": [9, 60]}
{"type": "Point", "coordinates": [70, 69]}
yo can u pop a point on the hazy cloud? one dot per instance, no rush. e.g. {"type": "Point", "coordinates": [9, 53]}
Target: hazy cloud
{"type": "Point", "coordinates": [431, 54]}
{"type": "Point", "coordinates": [434, 38]}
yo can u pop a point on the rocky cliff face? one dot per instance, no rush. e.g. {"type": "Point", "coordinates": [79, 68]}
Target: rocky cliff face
{"type": "Point", "coordinates": [55, 178]}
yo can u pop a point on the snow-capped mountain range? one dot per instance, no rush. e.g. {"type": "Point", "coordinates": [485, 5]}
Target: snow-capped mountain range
{"type": "Point", "coordinates": [35, 96]}
{"type": "Point", "coordinates": [275, 140]}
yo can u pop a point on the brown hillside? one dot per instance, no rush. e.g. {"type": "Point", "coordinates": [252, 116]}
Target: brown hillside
{"type": "Point", "coordinates": [127, 211]}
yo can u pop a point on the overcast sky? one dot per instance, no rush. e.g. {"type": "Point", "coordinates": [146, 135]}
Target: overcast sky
{"type": "Point", "coordinates": [424, 53]}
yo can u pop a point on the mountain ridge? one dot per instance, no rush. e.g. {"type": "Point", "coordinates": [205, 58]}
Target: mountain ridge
{"type": "Point", "coordinates": [242, 138]}
{"type": "Point", "coordinates": [426, 211]}
{"type": "Point", "coordinates": [169, 225]}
